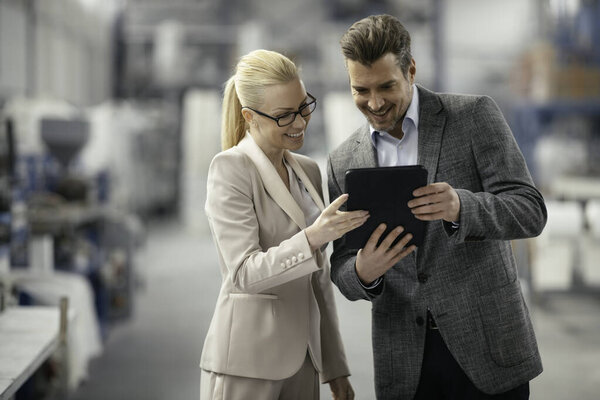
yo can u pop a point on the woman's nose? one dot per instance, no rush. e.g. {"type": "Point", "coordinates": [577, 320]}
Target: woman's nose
{"type": "Point", "coordinates": [300, 124]}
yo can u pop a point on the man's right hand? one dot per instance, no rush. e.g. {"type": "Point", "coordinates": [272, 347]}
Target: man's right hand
{"type": "Point", "coordinates": [373, 261]}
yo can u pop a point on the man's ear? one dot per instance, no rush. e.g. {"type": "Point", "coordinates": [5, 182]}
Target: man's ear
{"type": "Point", "coordinates": [412, 71]}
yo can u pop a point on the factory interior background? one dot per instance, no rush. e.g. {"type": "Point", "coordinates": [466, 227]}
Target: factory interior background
{"type": "Point", "coordinates": [109, 117]}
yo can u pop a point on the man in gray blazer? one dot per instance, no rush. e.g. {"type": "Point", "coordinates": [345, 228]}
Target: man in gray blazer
{"type": "Point", "coordinates": [449, 319]}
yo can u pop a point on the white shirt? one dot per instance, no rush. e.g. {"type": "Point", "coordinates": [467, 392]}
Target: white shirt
{"type": "Point", "coordinates": [393, 152]}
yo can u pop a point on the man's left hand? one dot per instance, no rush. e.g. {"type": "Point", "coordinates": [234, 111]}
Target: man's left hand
{"type": "Point", "coordinates": [436, 201]}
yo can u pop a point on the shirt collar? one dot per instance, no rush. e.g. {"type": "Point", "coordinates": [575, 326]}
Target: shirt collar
{"type": "Point", "coordinates": [412, 115]}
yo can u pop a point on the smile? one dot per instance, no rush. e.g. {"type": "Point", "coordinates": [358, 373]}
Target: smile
{"type": "Point", "coordinates": [380, 113]}
{"type": "Point", "coordinates": [294, 136]}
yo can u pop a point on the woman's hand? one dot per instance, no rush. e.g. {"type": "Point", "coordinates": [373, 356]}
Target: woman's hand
{"type": "Point", "coordinates": [333, 223]}
{"type": "Point", "coordinates": [341, 389]}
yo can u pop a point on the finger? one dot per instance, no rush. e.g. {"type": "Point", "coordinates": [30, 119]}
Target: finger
{"type": "Point", "coordinates": [428, 209]}
{"type": "Point", "coordinates": [430, 217]}
{"type": "Point", "coordinates": [348, 215]}
{"type": "Point", "coordinates": [343, 221]}
{"type": "Point", "coordinates": [351, 225]}
{"type": "Point", "coordinates": [389, 239]}
{"type": "Point", "coordinates": [431, 188]}
{"type": "Point", "coordinates": [403, 254]}
{"type": "Point", "coordinates": [353, 220]}
{"type": "Point", "coordinates": [374, 238]}
{"type": "Point", "coordinates": [337, 203]}
{"type": "Point", "coordinates": [428, 199]}
{"type": "Point", "coordinates": [401, 243]}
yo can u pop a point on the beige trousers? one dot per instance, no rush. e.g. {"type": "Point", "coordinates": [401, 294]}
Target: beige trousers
{"type": "Point", "coordinates": [303, 385]}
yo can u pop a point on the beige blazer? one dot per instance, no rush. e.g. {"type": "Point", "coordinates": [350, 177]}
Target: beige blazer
{"type": "Point", "coordinates": [276, 300]}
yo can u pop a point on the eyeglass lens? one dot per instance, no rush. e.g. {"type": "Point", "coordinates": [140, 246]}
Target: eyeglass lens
{"type": "Point", "coordinates": [304, 111]}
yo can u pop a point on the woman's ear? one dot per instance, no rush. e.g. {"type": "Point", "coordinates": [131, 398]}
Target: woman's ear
{"type": "Point", "coordinates": [248, 116]}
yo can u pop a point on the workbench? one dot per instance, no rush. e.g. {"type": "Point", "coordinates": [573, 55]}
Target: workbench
{"type": "Point", "coordinates": [28, 336]}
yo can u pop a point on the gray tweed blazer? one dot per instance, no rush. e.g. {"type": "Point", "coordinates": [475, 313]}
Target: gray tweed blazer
{"type": "Point", "coordinates": [468, 278]}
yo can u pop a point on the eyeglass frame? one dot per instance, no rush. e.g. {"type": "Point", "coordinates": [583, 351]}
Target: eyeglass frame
{"type": "Point", "coordinates": [296, 113]}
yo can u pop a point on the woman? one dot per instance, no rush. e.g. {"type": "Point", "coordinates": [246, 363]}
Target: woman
{"type": "Point", "coordinates": [275, 327]}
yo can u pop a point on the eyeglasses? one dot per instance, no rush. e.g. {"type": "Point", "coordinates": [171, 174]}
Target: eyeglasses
{"type": "Point", "coordinates": [289, 118]}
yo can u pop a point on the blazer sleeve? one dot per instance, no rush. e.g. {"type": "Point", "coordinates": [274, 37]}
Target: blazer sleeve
{"type": "Point", "coordinates": [508, 206]}
{"type": "Point", "coordinates": [343, 259]}
{"type": "Point", "coordinates": [234, 225]}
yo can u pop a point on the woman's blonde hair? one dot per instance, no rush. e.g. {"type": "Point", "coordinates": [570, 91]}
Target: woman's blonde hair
{"type": "Point", "coordinates": [253, 73]}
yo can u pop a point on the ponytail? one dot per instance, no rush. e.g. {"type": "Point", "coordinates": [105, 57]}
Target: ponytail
{"type": "Point", "coordinates": [233, 125]}
{"type": "Point", "coordinates": [254, 72]}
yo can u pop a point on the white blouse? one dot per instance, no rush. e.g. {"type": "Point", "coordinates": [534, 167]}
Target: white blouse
{"type": "Point", "coordinates": [302, 197]}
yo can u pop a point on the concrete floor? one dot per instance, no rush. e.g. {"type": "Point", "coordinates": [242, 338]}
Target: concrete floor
{"type": "Point", "coordinates": [155, 354]}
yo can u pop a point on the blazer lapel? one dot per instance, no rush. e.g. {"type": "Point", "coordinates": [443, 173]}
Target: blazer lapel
{"type": "Point", "coordinates": [431, 126]}
{"type": "Point", "coordinates": [305, 180]}
{"type": "Point", "coordinates": [364, 154]}
{"type": "Point", "coordinates": [272, 181]}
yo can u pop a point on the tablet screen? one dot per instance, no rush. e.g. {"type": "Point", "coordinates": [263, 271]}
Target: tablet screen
{"type": "Point", "coordinates": [384, 192]}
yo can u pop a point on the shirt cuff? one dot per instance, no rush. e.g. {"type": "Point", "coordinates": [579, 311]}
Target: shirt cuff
{"type": "Point", "coordinates": [373, 284]}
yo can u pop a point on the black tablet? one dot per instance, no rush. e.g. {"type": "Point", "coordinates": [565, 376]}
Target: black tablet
{"type": "Point", "coordinates": [384, 192]}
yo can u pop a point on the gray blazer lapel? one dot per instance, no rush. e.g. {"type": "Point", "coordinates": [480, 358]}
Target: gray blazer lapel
{"type": "Point", "coordinates": [431, 126]}
{"type": "Point", "coordinates": [364, 154]}
{"type": "Point", "coordinates": [272, 181]}
{"type": "Point", "coordinates": [359, 153]}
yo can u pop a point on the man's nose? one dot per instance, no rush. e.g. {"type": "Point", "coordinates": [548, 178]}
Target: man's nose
{"type": "Point", "coordinates": [375, 102]}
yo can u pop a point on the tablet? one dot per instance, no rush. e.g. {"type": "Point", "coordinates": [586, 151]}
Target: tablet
{"type": "Point", "coordinates": [384, 192]}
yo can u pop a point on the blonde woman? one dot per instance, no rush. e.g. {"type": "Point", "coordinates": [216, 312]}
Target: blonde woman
{"type": "Point", "coordinates": [275, 328]}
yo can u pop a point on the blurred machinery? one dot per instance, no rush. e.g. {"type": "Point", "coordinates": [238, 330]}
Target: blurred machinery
{"type": "Point", "coordinates": [61, 218]}
{"type": "Point", "coordinates": [557, 124]}
{"type": "Point", "coordinates": [65, 138]}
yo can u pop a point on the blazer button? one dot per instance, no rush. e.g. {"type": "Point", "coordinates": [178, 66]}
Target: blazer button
{"type": "Point", "coordinates": [288, 262]}
{"type": "Point", "coordinates": [420, 320]}
{"type": "Point", "coordinates": [422, 277]}
{"type": "Point", "coordinates": [300, 256]}
{"type": "Point", "coordinates": [294, 259]}
{"type": "Point", "coordinates": [282, 265]}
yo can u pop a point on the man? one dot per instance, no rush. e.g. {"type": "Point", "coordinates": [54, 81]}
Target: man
{"type": "Point", "coordinates": [449, 320]}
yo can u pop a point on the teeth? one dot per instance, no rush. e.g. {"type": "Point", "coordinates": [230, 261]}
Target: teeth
{"type": "Point", "coordinates": [379, 114]}
{"type": "Point", "coordinates": [297, 135]}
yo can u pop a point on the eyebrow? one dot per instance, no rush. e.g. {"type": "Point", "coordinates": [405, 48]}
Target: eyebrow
{"type": "Point", "coordinates": [390, 82]}
{"type": "Point", "coordinates": [289, 108]}
{"type": "Point", "coordinates": [386, 83]}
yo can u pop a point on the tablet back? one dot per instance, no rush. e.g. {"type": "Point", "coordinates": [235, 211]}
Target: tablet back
{"type": "Point", "coordinates": [384, 192]}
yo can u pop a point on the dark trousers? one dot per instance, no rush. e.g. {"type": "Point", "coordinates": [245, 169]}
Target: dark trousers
{"type": "Point", "coordinates": [442, 377]}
